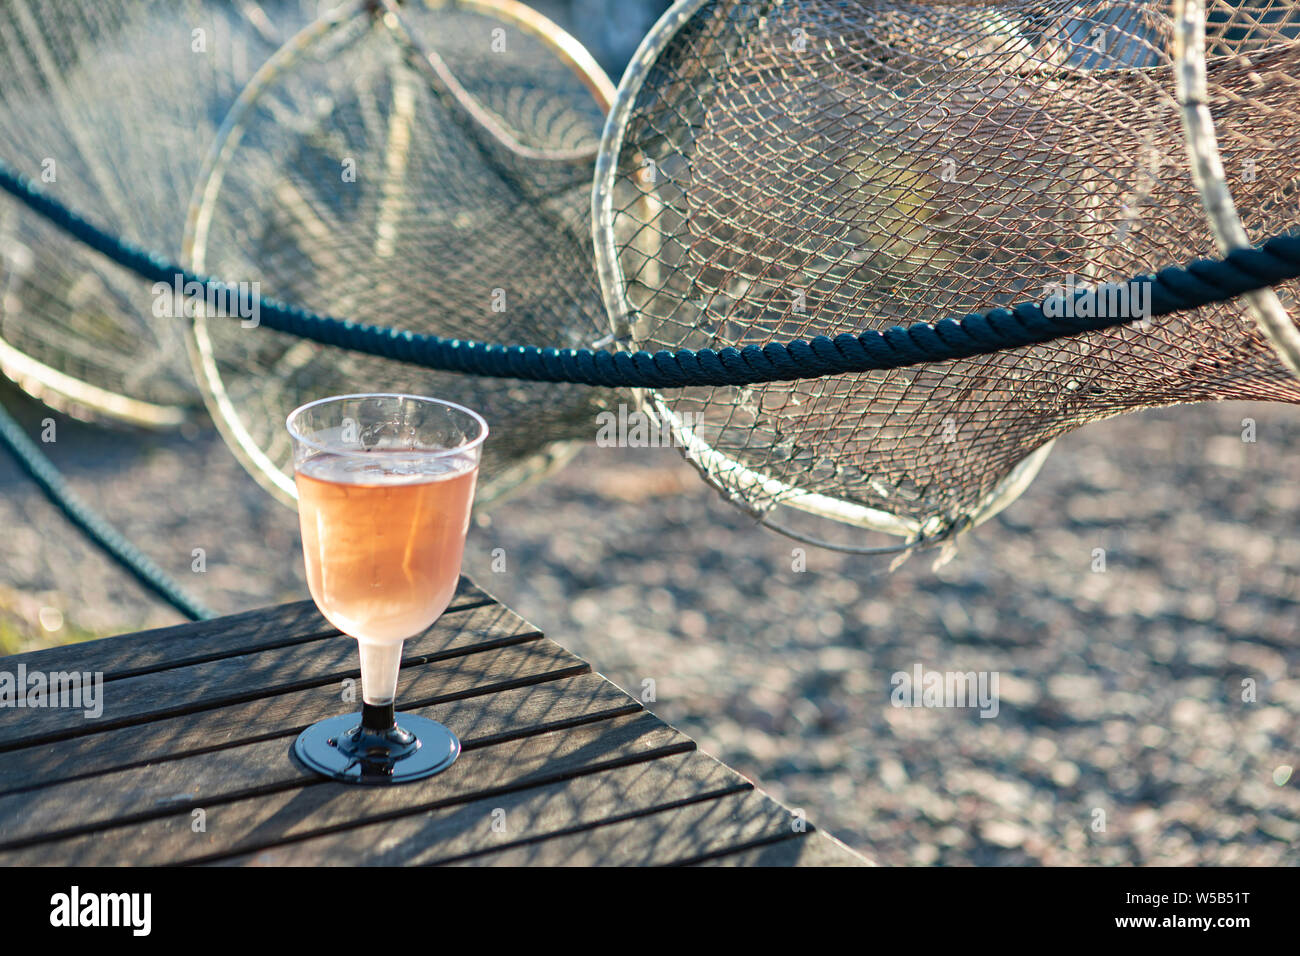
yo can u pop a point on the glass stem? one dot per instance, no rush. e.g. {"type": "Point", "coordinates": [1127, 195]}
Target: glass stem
{"type": "Point", "coordinates": [378, 717]}
{"type": "Point", "coordinates": [379, 667]}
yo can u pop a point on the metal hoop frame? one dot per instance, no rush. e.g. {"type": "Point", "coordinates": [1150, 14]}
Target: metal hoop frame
{"type": "Point", "coordinates": [1192, 90]}
{"type": "Point", "coordinates": [706, 458]}
{"type": "Point", "coordinates": [250, 454]}
{"type": "Point", "coordinates": [81, 398]}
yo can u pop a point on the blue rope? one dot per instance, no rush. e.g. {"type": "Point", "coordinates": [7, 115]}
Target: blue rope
{"type": "Point", "coordinates": [42, 471]}
{"type": "Point", "coordinates": [1171, 290]}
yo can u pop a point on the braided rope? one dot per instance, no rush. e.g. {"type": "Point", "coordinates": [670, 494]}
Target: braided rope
{"type": "Point", "coordinates": [1173, 289]}
{"type": "Point", "coordinates": [109, 539]}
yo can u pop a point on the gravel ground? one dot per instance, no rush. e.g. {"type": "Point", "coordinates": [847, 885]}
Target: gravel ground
{"type": "Point", "coordinates": [1122, 735]}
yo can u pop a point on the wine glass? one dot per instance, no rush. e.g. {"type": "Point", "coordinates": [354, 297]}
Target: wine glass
{"type": "Point", "coordinates": [385, 483]}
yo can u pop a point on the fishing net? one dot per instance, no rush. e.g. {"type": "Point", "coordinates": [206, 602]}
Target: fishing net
{"type": "Point", "coordinates": [782, 170]}
{"type": "Point", "coordinates": [110, 106]}
{"type": "Point", "coordinates": [423, 166]}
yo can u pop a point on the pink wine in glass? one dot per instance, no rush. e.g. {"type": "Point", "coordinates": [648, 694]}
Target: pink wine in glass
{"type": "Point", "coordinates": [382, 536]}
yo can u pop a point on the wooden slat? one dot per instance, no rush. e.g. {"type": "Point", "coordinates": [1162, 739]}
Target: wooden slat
{"type": "Point", "coordinates": [488, 671]}
{"type": "Point", "coordinates": [292, 804]}
{"type": "Point", "coordinates": [813, 848]}
{"type": "Point", "coordinates": [144, 651]}
{"type": "Point", "coordinates": [673, 836]}
{"type": "Point", "coordinates": [252, 676]}
{"type": "Point", "coordinates": [533, 814]}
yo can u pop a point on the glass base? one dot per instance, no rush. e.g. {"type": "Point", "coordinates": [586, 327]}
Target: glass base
{"type": "Point", "coordinates": [342, 749]}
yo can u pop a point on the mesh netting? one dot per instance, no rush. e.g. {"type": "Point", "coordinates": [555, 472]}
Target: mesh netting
{"type": "Point", "coordinates": [350, 183]}
{"type": "Point", "coordinates": [110, 106]}
{"type": "Point", "coordinates": [811, 167]}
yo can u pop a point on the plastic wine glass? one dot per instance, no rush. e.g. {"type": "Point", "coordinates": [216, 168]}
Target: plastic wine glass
{"type": "Point", "coordinates": [385, 484]}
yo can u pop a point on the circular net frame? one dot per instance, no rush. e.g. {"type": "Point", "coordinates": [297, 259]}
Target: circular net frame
{"type": "Point", "coordinates": [110, 106]}
{"type": "Point", "coordinates": [351, 185]}
{"type": "Point", "coordinates": [809, 167]}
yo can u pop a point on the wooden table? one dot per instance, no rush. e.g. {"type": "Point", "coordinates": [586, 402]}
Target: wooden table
{"type": "Point", "coordinates": [189, 761]}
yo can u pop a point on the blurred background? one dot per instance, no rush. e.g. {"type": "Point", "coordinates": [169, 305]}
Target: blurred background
{"type": "Point", "coordinates": [1122, 737]}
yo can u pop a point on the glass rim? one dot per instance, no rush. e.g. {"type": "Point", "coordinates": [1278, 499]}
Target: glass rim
{"type": "Point", "coordinates": [297, 435]}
